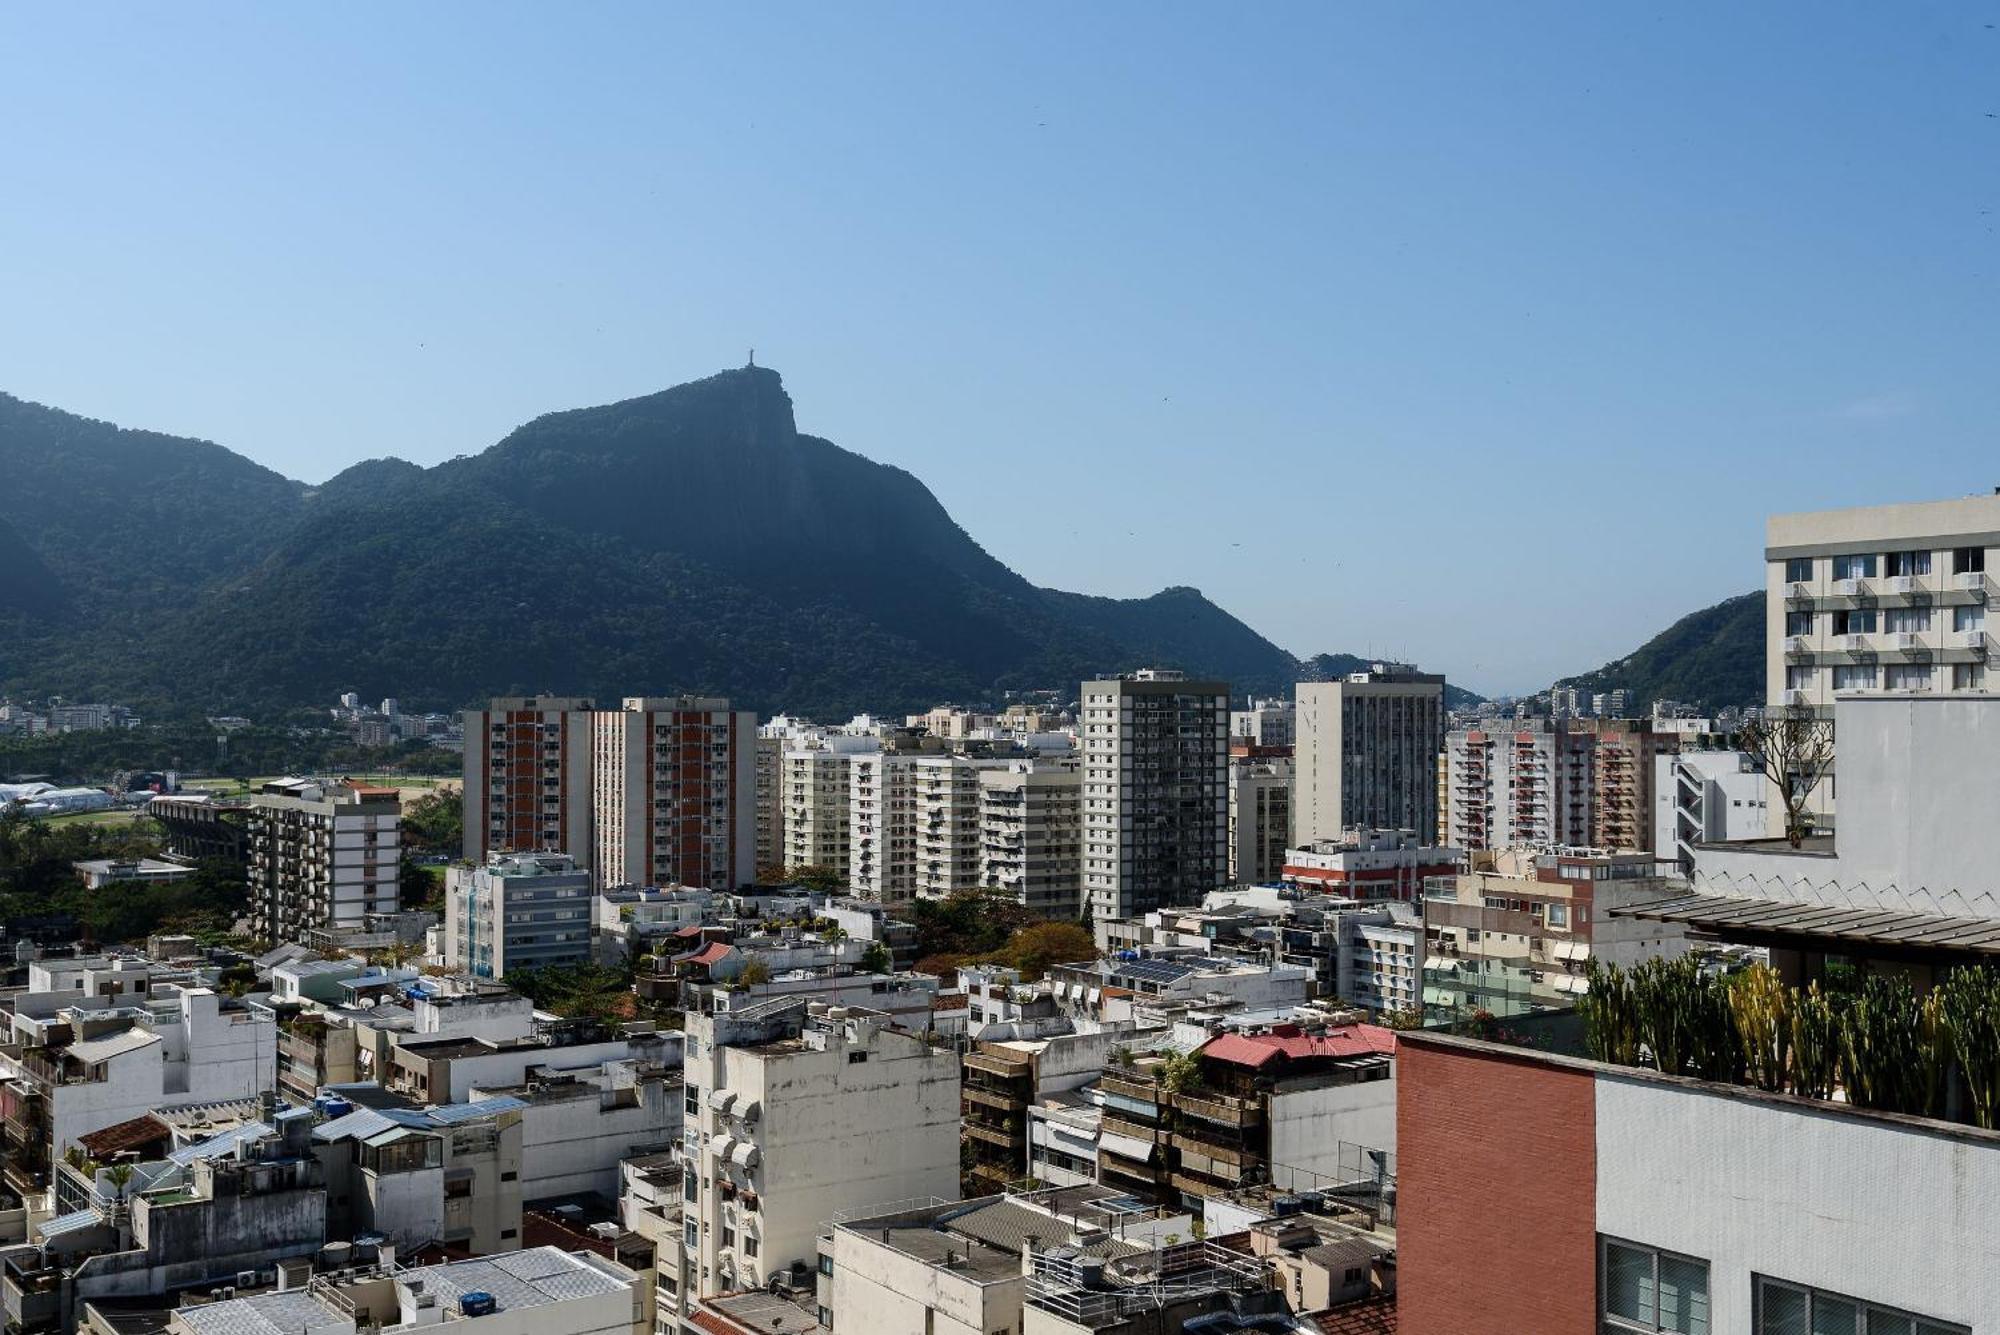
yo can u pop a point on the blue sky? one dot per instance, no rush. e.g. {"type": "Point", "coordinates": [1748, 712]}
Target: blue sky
{"type": "Point", "coordinates": [1479, 334]}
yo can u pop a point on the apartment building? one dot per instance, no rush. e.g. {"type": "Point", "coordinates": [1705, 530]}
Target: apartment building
{"type": "Point", "coordinates": [528, 777]}
{"type": "Point", "coordinates": [320, 855]}
{"type": "Point", "coordinates": [1641, 1201]}
{"type": "Point", "coordinates": [579, 1123]}
{"type": "Point", "coordinates": [1516, 934]}
{"type": "Point", "coordinates": [1583, 782]}
{"type": "Point", "coordinates": [1878, 598]}
{"type": "Point", "coordinates": [1031, 834]}
{"type": "Point", "coordinates": [1005, 1078]}
{"type": "Point", "coordinates": [1367, 752]}
{"type": "Point", "coordinates": [770, 803]}
{"type": "Point", "coordinates": [945, 796]}
{"type": "Point", "coordinates": [1155, 791]}
{"type": "Point", "coordinates": [518, 911]}
{"type": "Point", "coordinates": [882, 826]}
{"type": "Point", "coordinates": [1706, 797]}
{"type": "Point", "coordinates": [448, 1175]}
{"type": "Point", "coordinates": [1370, 865]}
{"type": "Point", "coordinates": [1266, 724]}
{"type": "Point", "coordinates": [817, 789]}
{"type": "Point", "coordinates": [674, 793]}
{"type": "Point", "coordinates": [796, 1113]}
{"type": "Point", "coordinates": [1260, 819]}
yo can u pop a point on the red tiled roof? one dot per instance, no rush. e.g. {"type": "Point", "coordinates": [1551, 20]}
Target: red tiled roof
{"type": "Point", "coordinates": [709, 1321]}
{"type": "Point", "coordinates": [1294, 1044]}
{"type": "Point", "coordinates": [694, 930]}
{"type": "Point", "coordinates": [1370, 1316]}
{"type": "Point", "coordinates": [713, 953]}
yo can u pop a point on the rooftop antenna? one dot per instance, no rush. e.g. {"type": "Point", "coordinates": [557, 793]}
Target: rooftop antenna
{"type": "Point", "coordinates": [753, 358]}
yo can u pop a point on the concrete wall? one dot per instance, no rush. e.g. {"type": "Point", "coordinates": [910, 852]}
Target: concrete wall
{"type": "Point", "coordinates": [1886, 1212]}
{"type": "Point", "coordinates": [877, 1289]}
{"type": "Point", "coordinates": [1308, 1123]}
{"type": "Point", "coordinates": [574, 1144]}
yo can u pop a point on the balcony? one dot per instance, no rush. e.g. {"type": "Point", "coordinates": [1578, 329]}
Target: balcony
{"type": "Point", "coordinates": [990, 1098]}
{"type": "Point", "coordinates": [993, 1135]}
{"type": "Point", "coordinates": [1118, 1126]}
{"type": "Point", "coordinates": [1798, 647]}
{"type": "Point", "coordinates": [1221, 1108]}
{"type": "Point", "coordinates": [1144, 1091]}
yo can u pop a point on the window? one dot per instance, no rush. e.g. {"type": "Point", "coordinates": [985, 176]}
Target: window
{"type": "Point", "coordinates": [1559, 917]}
{"type": "Point", "coordinates": [1858, 622]}
{"type": "Point", "coordinates": [1645, 1289]}
{"type": "Point", "coordinates": [1854, 677]}
{"type": "Point", "coordinates": [855, 1058]}
{"type": "Point", "coordinates": [1906, 619]}
{"type": "Point", "coordinates": [826, 1265]}
{"type": "Point", "coordinates": [1798, 623]}
{"type": "Point", "coordinates": [509, 1176]}
{"type": "Point", "coordinates": [1968, 618]}
{"type": "Point", "coordinates": [728, 1236]}
{"type": "Point", "coordinates": [1783, 1309]}
{"type": "Point", "coordinates": [1968, 561]}
{"type": "Point", "coordinates": [1798, 569]}
{"type": "Point", "coordinates": [749, 1244]}
{"type": "Point", "coordinates": [1968, 676]}
{"type": "Point", "coordinates": [1909, 563]}
{"type": "Point", "coordinates": [1798, 677]}
{"type": "Point", "coordinates": [1854, 567]}
{"type": "Point", "coordinates": [1907, 677]}
{"type": "Point", "coordinates": [507, 1232]}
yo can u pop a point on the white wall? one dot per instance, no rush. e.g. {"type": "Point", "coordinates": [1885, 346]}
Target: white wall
{"type": "Point", "coordinates": [1901, 1216]}
{"type": "Point", "coordinates": [1307, 1125]}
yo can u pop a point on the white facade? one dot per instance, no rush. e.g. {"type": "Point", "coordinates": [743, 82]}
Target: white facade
{"type": "Point", "coordinates": [1264, 723]}
{"type": "Point", "coordinates": [1902, 1213]}
{"type": "Point", "coordinates": [1706, 797]}
{"type": "Point", "coordinates": [321, 855]}
{"type": "Point", "coordinates": [881, 826]}
{"type": "Point", "coordinates": [810, 1114]}
{"type": "Point", "coordinates": [945, 818]}
{"type": "Point", "coordinates": [578, 1125]}
{"type": "Point", "coordinates": [815, 791]}
{"type": "Point", "coordinates": [1031, 834]}
{"type": "Point", "coordinates": [1260, 820]}
{"type": "Point", "coordinates": [519, 911]}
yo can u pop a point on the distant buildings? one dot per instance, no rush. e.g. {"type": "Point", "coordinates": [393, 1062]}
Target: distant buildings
{"type": "Point", "coordinates": [1706, 797]}
{"type": "Point", "coordinates": [1266, 725]}
{"type": "Point", "coordinates": [1155, 791]}
{"type": "Point", "coordinates": [1366, 753]}
{"type": "Point", "coordinates": [320, 855]}
{"type": "Point", "coordinates": [1532, 782]}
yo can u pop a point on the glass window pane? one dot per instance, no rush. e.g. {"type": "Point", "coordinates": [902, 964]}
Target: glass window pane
{"type": "Point", "coordinates": [1781, 1311]}
{"type": "Point", "coordinates": [1925, 1327]}
{"type": "Point", "coordinates": [1683, 1296]}
{"type": "Point", "coordinates": [1834, 1316]}
{"type": "Point", "coordinates": [1887, 1323]}
{"type": "Point", "coordinates": [1628, 1283]}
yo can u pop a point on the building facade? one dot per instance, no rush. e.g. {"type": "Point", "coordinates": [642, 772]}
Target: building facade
{"type": "Point", "coordinates": [528, 777]}
{"type": "Point", "coordinates": [518, 911]}
{"type": "Point", "coordinates": [320, 855]}
{"type": "Point", "coordinates": [882, 830]}
{"type": "Point", "coordinates": [673, 793]}
{"type": "Point", "coordinates": [1260, 819]}
{"type": "Point", "coordinates": [1031, 835]}
{"type": "Point", "coordinates": [1367, 752]}
{"type": "Point", "coordinates": [1155, 791]}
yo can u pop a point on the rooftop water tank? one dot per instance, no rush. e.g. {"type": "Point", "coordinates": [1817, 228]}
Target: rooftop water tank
{"type": "Point", "coordinates": [478, 1303]}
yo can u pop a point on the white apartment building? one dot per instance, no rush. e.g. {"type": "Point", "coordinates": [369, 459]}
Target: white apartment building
{"type": "Point", "coordinates": [945, 793]}
{"type": "Point", "coordinates": [579, 1123]}
{"type": "Point", "coordinates": [1031, 834]}
{"type": "Point", "coordinates": [320, 855]}
{"type": "Point", "coordinates": [1522, 783]}
{"type": "Point", "coordinates": [1367, 752]}
{"type": "Point", "coordinates": [528, 777]}
{"type": "Point", "coordinates": [769, 801]}
{"type": "Point", "coordinates": [674, 793]}
{"type": "Point", "coordinates": [881, 826]}
{"type": "Point", "coordinates": [1155, 791]}
{"type": "Point", "coordinates": [1260, 819]}
{"type": "Point", "coordinates": [536, 1291]}
{"type": "Point", "coordinates": [798, 1112]}
{"type": "Point", "coordinates": [816, 790]}
{"type": "Point", "coordinates": [1879, 598]}
{"type": "Point", "coordinates": [1265, 723]}
{"type": "Point", "coordinates": [519, 911]}
{"type": "Point", "coordinates": [1706, 797]}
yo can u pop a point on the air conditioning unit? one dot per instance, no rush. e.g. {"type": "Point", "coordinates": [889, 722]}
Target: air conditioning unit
{"type": "Point", "coordinates": [1797, 644]}
{"type": "Point", "coordinates": [1798, 697]}
{"type": "Point", "coordinates": [1970, 579]}
{"type": "Point", "coordinates": [1909, 640]}
{"type": "Point", "coordinates": [1848, 588]}
{"type": "Point", "coordinates": [1904, 584]}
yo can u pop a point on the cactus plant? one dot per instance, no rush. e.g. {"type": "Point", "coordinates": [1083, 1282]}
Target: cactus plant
{"type": "Point", "coordinates": [1969, 1015]}
{"type": "Point", "coordinates": [1761, 1006]}
{"type": "Point", "coordinates": [1816, 1020]}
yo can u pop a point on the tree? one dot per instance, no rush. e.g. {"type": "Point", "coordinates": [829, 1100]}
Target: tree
{"type": "Point", "coordinates": [1793, 747]}
{"type": "Point", "coordinates": [754, 972]}
{"type": "Point", "coordinates": [1036, 948]}
{"type": "Point", "coordinates": [435, 822]}
{"type": "Point", "coordinates": [811, 876]}
{"type": "Point", "coordinates": [876, 959]}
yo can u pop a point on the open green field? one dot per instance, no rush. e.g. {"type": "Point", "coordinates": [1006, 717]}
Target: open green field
{"type": "Point", "coordinates": [98, 818]}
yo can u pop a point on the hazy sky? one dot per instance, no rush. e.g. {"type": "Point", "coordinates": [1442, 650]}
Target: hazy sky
{"type": "Point", "coordinates": [1482, 334]}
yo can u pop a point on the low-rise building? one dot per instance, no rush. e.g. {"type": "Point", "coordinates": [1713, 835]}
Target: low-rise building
{"type": "Point", "coordinates": [519, 911]}
{"type": "Point", "coordinates": [1370, 864]}
{"type": "Point", "coordinates": [577, 1125]}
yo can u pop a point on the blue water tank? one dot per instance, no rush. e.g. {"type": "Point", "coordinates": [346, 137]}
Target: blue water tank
{"type": "Point", "coordinates": [478, 1303]}
{"type": "Point", "coordinates": [332, 1106]}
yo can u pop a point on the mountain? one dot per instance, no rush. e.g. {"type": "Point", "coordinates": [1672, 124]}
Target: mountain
{"type": "Point", "coordinates": [692, 540]}
{"type": "Point", "coordinates": [1332, 667]}
{"type": "Point", "coordinates": [1711, 658]}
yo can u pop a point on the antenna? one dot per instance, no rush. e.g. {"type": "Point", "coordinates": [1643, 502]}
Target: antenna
{"type": "Point", "coordinates": [753, 358]}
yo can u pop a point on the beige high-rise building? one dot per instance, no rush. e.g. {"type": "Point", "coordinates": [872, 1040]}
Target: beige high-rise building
{"type": "Point", "coordinates": [1366, 752]}
{"type": "Point", "coordinates": [1582, 783]}
{"type": "Point", "coordinates": [1155, 791]}
{"type": "Point", "coordinates": [1879, 598]}
{"type": "Point", "coordinates": [527, 777]}
{"type": "Point", "coordinates": [816, 793]}
{"type": "Point", "coordinates": [1031, 834]}
{"type": "Point", "coordinates": [770, 803]}
{"type": "Point", "coordinates": [1260, 819]}
{"type": "Point", "coordinates": [881, 826]}
{"type": "Point", "coordinates": [944, 791]}
{"type": "Point", "coordinates": [673, 793]}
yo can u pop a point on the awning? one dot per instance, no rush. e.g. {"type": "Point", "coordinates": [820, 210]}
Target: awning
{"type": "Point", "coordinates": [1569, 950]}
{"type": "Point", "coordinates": [1734, 917]}
{"type": "Point", "coordinates": [1125, 1147]}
